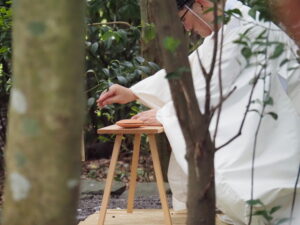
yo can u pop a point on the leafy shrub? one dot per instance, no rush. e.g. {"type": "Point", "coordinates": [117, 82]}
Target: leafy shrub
{"type": "Point", "coordinates": [113, 56]}
{"type": "Point", "coordinates": [5, 68]}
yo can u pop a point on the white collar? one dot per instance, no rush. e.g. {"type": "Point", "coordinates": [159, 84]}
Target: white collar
{"type": "Point", "coordinates": [231, 4]}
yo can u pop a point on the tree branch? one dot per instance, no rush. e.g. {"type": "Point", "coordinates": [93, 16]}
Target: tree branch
{"type": "Point", "coordinates": [245, 114]}
{"type": "Point", "coordinates": [220, 84]}
{"type": "Point", "coordinates": [110, 23]}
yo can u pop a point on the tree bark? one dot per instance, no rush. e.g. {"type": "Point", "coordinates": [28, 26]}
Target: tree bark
{"type": "Point", "coordinates": [194, 123]}
{"type": "Point", "coordinates": [45, 114]}
{"type": "Point", "coordinates": [150, 50]}
{"type": "Point", "coordinates": [287, 13]}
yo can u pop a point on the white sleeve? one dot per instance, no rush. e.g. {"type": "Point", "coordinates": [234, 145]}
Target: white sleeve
{"type": "Point", "coordinates": [153, 91]}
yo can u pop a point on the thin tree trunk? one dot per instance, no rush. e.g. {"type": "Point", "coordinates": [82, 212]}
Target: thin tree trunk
{"type": "Point", "coordinates": [45, 114]}
{"type": "Point", "coordinates": [194, 124]}
{"type": "Point", "coordinates": [150, 50]}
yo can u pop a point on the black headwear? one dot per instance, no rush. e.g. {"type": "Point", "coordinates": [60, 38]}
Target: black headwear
{"type": "Point", "coordinates": [181, 3]}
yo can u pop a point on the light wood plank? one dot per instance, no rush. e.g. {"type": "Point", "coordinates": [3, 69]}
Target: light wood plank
{"type": "Point", "coordinates": [109, 179]}
{"type": "Point", "coordinates": [159, 179]}
{"type": "Point", "coordinates": [133, 172]}
{"type": "Point", "coordinates": [115, 129]}
{"type": "Point", "coordinates": [137, 217]}
{"type": "Point", "coordinates": [140, 216]}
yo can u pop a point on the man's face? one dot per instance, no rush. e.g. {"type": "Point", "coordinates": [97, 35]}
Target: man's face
{"type": "Point", "coordinates": [191, 21]}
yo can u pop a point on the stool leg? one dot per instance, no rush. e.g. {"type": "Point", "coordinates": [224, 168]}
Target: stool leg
{"type": "Point", "coordinates": [133, 172]}
{"type": "Point", "coordinates": [159, 179]}
{"type": "Point", "coordinates": [109, 179]}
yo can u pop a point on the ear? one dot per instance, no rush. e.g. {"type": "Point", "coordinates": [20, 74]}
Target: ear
{"type": "Point", "coordinates": [205, 3]}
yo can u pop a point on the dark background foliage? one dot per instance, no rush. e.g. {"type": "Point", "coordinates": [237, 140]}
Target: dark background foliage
{"type": "Point", "coordinates": [5, 68]}
{"type": "Point", "coordinates": [112, 56]}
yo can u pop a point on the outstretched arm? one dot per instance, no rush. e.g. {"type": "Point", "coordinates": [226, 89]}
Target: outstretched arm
{"type": "Point", "coordinates": [116, 94]}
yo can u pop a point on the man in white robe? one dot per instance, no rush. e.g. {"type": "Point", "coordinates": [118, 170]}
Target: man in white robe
{"type": "Point", "coordinates": [277, 144]}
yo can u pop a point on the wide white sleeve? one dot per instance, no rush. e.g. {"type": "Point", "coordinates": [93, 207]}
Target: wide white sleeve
{"type": "Point", "coordinates": [154, 91]}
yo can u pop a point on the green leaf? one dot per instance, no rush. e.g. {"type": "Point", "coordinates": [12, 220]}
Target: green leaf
{"type": "Point", "coordinates": [122, 80]}
{"type": "Point", "coordinates": [154, 66]}
{"type": "Point", "coordinates": [139, 59]}
{"type": "Point", "coordinates": [268, 100]}
{"type": "Point", "coordinates": [107, 35]}
{"type": "Point", "coordinates": [177, 74]}
{"type": "Point", "coordinates": [284, 62]}
{"type": "Point", "coordinates": [246, 52]}
{"type": "Point", "coordinates": [261, 35]}
{"type": "Point", "coordinates": [235, 11]}
{"type": "Point", "coordinates": [171, 44]}
{"type": "Point", "coordinates": [254, 202]}
{"type": "Point", "coordinates": [106, 72]}
{"type": "Point", "coordinates": [145, 69]}
{"type": "Point", "coordinates": [252, 12]}
{"type": "Point", "coordinates": [281, 221]}
{"type": "Point", "coordinates": [240, 42]}
{"type": "Point", "coordinates": [173, 75]}
{"type": "Point", "coordinates": [274, 115]}
{"type": "Point", "coordinates": [128, 64]}
{"type": "Point", "coordinates": [94, 47]}
{"type": "Point", "coordinates": [91, 101]}
{"type": "Point", "coordinates": [278, 51]}
{"type": "Point", "coordinates": [274, 209]}
{"type": "Point", "coordinates": [263, 213]}
{"type": "Point", "coordinates": [149, 32]}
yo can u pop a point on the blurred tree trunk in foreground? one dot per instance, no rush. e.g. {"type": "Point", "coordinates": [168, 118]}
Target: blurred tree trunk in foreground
{"type": "Point", "coordinates": [46, 113]}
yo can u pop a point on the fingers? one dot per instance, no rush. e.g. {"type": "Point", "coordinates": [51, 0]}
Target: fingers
{"type": "Point", "coordinates": [116, 94]}
{"type": "Point", "coordinates": [104, 98]}
{"type": "Point", "coordinates": [111, 100]}
{"type": "Point", "coordinates": [148, 117]}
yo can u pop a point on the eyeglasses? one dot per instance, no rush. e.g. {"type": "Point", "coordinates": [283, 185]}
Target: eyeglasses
{"type": "Point", "coordinates": [183, 15]}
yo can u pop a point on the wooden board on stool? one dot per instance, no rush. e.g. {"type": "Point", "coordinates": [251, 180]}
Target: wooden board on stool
{"type": "Point", "coordinates": [138, 217]}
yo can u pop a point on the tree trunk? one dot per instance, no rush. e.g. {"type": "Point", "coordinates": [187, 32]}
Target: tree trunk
{"type": "Point", "coordinates": [287, 13]}
{"type": "Point", "coordinates": [45, 113]}
{"type": "Point", "coordinates": [150, 50]}
{"type": "Point", "coordinates": [194, 123]}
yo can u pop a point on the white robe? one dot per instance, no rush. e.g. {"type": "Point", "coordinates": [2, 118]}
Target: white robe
{"type": "Point", "coordinates": [278, 145]}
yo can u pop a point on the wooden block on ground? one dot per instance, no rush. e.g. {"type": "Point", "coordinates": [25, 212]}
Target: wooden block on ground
{"type": "Point", "coordinates": [138, 217]}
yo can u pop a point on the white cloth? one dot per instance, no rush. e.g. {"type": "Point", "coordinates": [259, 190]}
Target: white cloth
{"type": "Point", "coordinates": [278, 144]}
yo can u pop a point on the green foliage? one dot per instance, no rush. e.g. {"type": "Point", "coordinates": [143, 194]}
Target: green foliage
{"type": "Point", "coordinates": [259, 9]}
{"type": "Point", "coordinates": [171, 44]}
{"type": "Point", "coordinates": [267, 214]}
{"type": "Point", "coordinates": [149, 32]}
{"type": "Point", "coordinates": [5, 50]}
{"type": "Point", "coordinates": [177, 74]}
{"type": "Point", "coordinates": [5, 68]}
{"type": "Point", "coordinates": [112, 56]}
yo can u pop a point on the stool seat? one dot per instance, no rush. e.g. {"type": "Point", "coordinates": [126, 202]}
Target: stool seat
{"type": "Point", "coordinates": [115, 129]}
{"type": "Point", "coordinates": [150, 131]}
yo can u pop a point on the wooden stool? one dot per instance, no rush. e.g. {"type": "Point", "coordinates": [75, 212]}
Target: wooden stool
{"type": "Point", "coordinates": [150, 131]}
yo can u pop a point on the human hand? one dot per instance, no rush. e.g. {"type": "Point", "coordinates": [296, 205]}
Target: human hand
{"type": "Point", "coordinates": [116, 94]}
{"type": "Point", "coordinates": [148, 117]}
